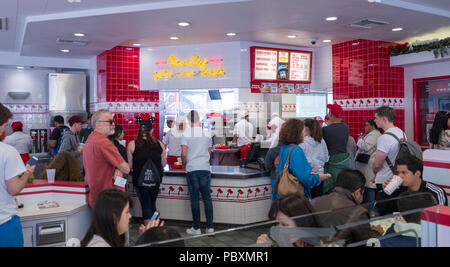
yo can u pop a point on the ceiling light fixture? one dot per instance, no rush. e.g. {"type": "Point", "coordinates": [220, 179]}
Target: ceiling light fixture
{"type": "Point", "coordinates": [292, 36]}
{"type": "Point", "coordinates": [174, 38]}
{"type": "Point", "coordinates": [136, 44]}
{"type": "Point", "coordinates": [149, 49]}
{"type": "Point", "coordinates": [78, 34]}
{"type": "Point", "coordinates": [184, 24]}
{"type": "Point", "coordinates": [74, 1]}
{"type": "Point", "coordinates": [65, 50]}
{"type": "Point", "coordinates": [397, 29]}
{"type": "Point", "coordinates": [326, 41]}
{"type": "Point", "coordinates": [231, 34]}
{"type": "Point", "coordinates": [20, 67]}
{"type": "Point", "coordinates": [331, 18]}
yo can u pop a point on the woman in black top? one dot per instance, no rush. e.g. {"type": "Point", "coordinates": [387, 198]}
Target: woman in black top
{"type": "Point", "coordinates": [145, 147]}
{"type": "Point", "coordinates": [116, 138]}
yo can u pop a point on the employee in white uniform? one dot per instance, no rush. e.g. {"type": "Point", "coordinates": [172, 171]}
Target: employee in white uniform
{"type": "Point", "coordinates": [20, 141]}
{"type": "Point", "coordinates": [243, 134]}
{"type": "Point", "coordinates": [275, 123]}
{"type": "Point", "coordinates": [13, 178]}
{"type": "Point", "coordinates": [172, 140]}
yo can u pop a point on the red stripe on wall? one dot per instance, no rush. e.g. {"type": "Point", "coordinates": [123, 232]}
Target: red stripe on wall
{"type": "Point", "coordinates": [437, 214]}
{"type": "Point", "coordinates": [437, 164]}
{"type": "Point", "coordinates": [52, 191]}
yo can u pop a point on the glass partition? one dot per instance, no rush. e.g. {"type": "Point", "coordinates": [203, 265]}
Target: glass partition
{"type": "Point", "coordinates": [353, 226]}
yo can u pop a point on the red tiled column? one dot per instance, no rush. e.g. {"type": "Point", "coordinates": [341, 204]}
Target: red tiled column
{"type": "Point", "coordinates": [118, 89]}
{"type": "Point", "coordinates": [363, 80]}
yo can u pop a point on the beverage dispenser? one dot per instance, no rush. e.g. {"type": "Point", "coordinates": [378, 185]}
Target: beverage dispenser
{"type": "Point", "coordinates": [43, 134]}
{"type": "Point", "coordinates": [34, 133]}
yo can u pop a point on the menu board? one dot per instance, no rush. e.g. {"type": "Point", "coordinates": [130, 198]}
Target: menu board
{"type": "Point", "coordinates": [299, 66]}
{"type": "Point", "coordinates": [265, 64]}
{"type": "Point", "coordinates": [285, 66]}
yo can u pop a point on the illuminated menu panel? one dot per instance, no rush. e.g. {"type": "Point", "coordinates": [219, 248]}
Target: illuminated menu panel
{"type": "Point", "coordinates": [299, 67]}
{"type": "Point", "coordinates": [265, 64]}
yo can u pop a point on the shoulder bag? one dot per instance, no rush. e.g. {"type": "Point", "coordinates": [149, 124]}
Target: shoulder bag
{"type": "Point", "coordinates": [286, 182]}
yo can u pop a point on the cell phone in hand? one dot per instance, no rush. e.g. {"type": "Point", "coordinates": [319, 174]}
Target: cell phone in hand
{"type": "Point", "coordinates": [32, 161]}
{"type": "Point", "coordinates": [155, 216]}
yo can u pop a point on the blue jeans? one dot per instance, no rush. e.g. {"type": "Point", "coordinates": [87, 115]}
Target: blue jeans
{"type": "Point", "coordinates": [369, 197]}
{"type": "Point", "coordinates": [200, 180]}
{"type": "Point", "coordinates": [148, 201]}
{"type": "Point", "coordinates": [11, 233]}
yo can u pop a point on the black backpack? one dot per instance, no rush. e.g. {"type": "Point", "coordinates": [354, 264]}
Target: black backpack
{"type": "Point", "coordinates": [150, 176]}
{"type": "Point", "coordinates": [406, 149]}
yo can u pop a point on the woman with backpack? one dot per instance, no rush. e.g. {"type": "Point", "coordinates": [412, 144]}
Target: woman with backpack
{"type": "Point", "coordinates": [144, 148]}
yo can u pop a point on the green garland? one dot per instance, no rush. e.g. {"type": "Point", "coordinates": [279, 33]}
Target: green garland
{"type": "Point", "coordinates": [439, 47]}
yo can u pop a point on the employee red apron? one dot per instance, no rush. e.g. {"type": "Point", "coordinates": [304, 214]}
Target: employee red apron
{"type": "Point", "coordinates": [171, 160]}
{"type": "Point", "coordinates": [25, 157]}
{"type": "Point", "coordinates": [244, 151]}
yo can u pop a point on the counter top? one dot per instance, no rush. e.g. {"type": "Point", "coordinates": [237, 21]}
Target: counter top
{"type": "Point", "coordinates": [234, 172]}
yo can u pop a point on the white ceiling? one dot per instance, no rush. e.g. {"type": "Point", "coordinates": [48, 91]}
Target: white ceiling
{"type": "Point", "coordinates": [34, 25]}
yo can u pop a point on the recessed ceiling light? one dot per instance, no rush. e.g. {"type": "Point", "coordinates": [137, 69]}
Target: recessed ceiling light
{"type": "Point", "coordinates": [331, 18]}
{"type": "Point", "coordinates": [174, 38]}
{"type": "Point", "coordinates": [74, 1]}
{"type": "Point", "coordinates": [292, 36]}
{"type": "Point", "coordinates": [397, 29]}
{"type": "Point", "coordinates": [231, 34]}
{"type": "Point", "coordinates": [326, 41]}
{"type": "Point", "coordinates": [184, 24]}
{"type": "Point", "coordinates": [136, 44]}
{"type": "Point", "coordinates": [149, 49]}
{"type": "Point", "coordinates": [65, 50]}
{"type": "Point", "coordinates": [20, 67]}
{"type": "Point", "coordinates": [78, 34]}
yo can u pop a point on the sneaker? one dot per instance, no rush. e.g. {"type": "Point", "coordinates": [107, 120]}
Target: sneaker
{"type": "Point", "coordinates": [193, 231]}
{"type": "Point", "coordinates": [209, 230]}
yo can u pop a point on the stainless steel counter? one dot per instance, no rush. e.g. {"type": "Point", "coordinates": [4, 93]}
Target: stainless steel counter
{"type": "Point", "coordinates": [233, 172]}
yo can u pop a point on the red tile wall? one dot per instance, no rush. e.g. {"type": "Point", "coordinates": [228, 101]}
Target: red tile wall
{"type": "Point", "coordinates": [361, 70]}
{"type": "Point", "coordinates": [118, 81]}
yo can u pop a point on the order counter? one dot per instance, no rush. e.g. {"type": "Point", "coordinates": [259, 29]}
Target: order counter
{"type": "Point", "coordinates": [52, 213]}
{"type": "Point", "coordinates": [239, 196]}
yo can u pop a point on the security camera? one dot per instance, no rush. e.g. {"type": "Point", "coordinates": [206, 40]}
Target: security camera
{"type": "Point", "coordinates": [313, 40]}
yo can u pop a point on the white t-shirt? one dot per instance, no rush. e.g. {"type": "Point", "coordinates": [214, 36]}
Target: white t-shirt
{"type": "Point", "coordinates": [11, 165]}
{"type": "Point", "coordinates": [20, 141]}
{"type": "Point", "coordinates": [197, 141]}
{"type": "Point", "coordinates": [173, 141]}
{"type": "Point", "coordinates": [244, 131]}
{"type": "Point", "coordinates": [389, 145]}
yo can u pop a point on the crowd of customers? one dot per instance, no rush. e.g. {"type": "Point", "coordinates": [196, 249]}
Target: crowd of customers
{"type": "Point", "coordinates": [337, 174]}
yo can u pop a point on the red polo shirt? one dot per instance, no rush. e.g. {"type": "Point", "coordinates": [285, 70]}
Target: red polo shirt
{"type": "Point", "coordinates": [100, 158]}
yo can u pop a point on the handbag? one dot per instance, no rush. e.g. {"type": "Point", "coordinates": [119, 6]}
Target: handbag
{"type": "Point", "coordinates": [363, 158]}
{"type": "Point", "coordinates": [286, 182]}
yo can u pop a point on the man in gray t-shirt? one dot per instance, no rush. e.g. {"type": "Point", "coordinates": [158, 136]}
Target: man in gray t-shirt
{"type": "Point", "coordinates": [195, 153]}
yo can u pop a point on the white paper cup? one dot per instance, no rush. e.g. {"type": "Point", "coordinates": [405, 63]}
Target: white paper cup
{"type": "Point", "coordinates": [51, 175]}
{"type": "Point", "coordinates": [393, 184]}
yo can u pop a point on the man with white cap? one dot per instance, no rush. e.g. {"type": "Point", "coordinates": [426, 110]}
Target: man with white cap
{"type": "Point", "coordinates": [243, 133]}
{"type": "Point", "coordinates": [275, 123]}
{"type": "Point", "coordinates": [172, 140]}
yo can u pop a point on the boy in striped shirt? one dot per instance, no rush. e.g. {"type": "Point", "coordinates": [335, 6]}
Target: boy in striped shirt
{"type": "Point", "coordinates": [410, 169]}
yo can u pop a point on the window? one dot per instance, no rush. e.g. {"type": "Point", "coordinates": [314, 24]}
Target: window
{"type": "Point", "coordinates": [311, 105]}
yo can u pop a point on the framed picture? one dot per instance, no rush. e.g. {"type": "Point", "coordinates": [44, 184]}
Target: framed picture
{"type": "Point", "coordinates": [444, 104]}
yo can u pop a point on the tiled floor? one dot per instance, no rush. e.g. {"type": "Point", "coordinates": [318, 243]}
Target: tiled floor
{"type": "Point", "coordinates": [237, 238]}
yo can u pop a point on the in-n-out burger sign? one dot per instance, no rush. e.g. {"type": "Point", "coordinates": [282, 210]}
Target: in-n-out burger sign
{"type": "Point", "coordinates": [197, 61]}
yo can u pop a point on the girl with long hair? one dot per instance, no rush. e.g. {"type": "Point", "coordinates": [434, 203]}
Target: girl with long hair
{"type": "Point", "coordinates": [145, 147]}
{"type": "Point", "coordinates": [315, 150]}
{"type": "Point", "coordinates": [110, 220]}
{"type": "Point", "coordinates": [440, 131]}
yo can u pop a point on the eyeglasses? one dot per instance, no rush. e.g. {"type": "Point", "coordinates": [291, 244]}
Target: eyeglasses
{"type": "Point", "coordinates": [110, 121]}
